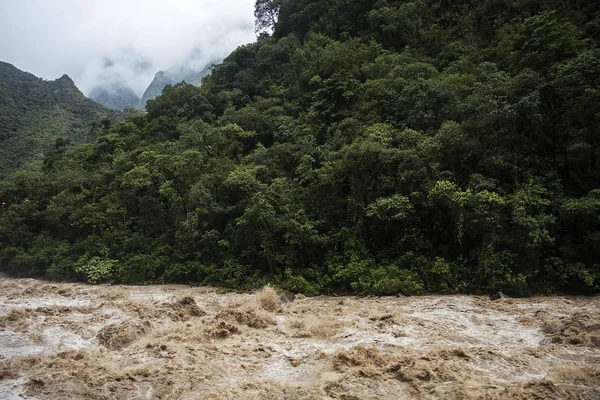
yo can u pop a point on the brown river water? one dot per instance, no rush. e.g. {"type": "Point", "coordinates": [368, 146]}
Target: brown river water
{"type": "Point", "coordinates": [77, 341]}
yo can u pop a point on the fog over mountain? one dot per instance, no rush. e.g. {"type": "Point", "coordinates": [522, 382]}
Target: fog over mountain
{"type": "Point", "coordinates": [110, 45]}
{"type": "Point", "coordinates": [115, 96]}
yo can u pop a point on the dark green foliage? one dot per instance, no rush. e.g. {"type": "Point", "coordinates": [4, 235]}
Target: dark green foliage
{"type": "Point", "coordinates": [35, 113]}
{"type": "Point", "coordinates": [369, 147]}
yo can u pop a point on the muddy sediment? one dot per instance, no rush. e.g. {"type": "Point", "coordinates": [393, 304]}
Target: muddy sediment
{"type": "Point", "coordinates": [75, 341]}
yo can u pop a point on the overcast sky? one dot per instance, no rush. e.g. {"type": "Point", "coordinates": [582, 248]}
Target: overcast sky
{"type": "Point", "coordinates": [95, 41]}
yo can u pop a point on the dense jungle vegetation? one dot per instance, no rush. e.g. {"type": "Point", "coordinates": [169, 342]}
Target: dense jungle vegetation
{"type": "Point", "coordinates": [358, 146]}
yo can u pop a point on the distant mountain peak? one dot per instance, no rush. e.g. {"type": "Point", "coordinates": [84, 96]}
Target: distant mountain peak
{"type": "Point", "coordinates": [173, 76]}
{"type": "Point", "coordinates": [66, 78]}
{"type": "Point", "coordinates": [115, 95]}
{"type": "Point", "coordinates": [34, 113]}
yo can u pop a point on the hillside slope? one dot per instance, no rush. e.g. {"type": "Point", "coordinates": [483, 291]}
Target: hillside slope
{"type": "Point", "coordinates": [371, 147]}
{"type": "Point", "coordinates": [34, 113]}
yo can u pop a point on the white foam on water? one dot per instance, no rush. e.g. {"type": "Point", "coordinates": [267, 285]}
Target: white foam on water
{"type": "Point", "coordinates": [14, 344]}
{"type": "Point", "coordinates": [34, 302]}
{"type": "Point", "coordinates": [13, 389]}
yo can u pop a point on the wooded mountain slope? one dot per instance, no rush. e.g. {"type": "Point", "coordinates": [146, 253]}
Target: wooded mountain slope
{"type": "Point", "coordinates": [366, 147]}
{"type": "Point", "coordinates": [172, 76]}
{"type": "Point", "coordinates": [35, 113]}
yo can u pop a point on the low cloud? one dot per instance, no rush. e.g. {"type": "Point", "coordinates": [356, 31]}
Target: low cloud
{"type": "Point", "coordinates": [100, 42]}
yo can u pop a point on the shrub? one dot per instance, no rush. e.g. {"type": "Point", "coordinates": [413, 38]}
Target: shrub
{"type": "Point", "coordinates": [299, 284]}
{"type": "Point", "coordinates": [96, 269]}
{"type": "Point", "coordinates": [138, 269]}
{"type": "Point", "coordinates": [390, 280]}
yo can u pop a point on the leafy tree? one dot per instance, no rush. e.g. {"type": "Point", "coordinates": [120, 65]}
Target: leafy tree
{"type": "Point", "coordinates": [266, 12]}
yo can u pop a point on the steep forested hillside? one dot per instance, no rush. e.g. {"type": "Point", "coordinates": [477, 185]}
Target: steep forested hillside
{"type": "Point", "coordinates": [35, 113]}
{"type": "Point", "coordinates": [365, 146]}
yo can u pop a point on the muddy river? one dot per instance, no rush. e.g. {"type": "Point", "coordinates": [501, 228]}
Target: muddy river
{"type": "Point", "coordinates": [76, 341]}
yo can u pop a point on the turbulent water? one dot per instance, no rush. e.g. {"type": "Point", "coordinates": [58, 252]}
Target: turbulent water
{"type": "Point", "coordinates": [74, 341]}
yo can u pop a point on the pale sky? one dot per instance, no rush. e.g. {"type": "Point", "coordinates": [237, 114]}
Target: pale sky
{"type": "Point", "coordinates": [95, 41]}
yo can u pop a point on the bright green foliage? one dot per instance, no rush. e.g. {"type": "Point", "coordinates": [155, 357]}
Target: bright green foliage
{"type": "Point", "coordinates": [365, 147]}
{"type": "Point", "coordinates": [395, 207]}
{"type": "Point", "coordinates": [96, 269]}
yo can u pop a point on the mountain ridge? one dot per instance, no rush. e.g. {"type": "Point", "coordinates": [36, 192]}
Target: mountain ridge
{"type": "Point", "coordinates": [34, 113]}
{"type": "Point", "coordinates": [118, 95]}
{"type": "Point", "coordinates": [172, 76]}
